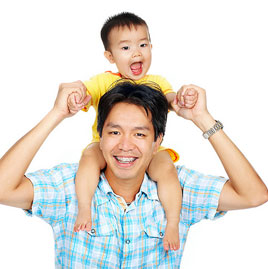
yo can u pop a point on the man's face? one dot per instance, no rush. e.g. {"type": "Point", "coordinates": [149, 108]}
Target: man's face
{"type": "Point", "coordinates": [130, 50]}
{"type": "Point", "coordinates": [127, 142]}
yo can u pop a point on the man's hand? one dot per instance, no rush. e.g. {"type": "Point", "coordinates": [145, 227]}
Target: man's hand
{"type": "Point", "coordinates": [71, 98]}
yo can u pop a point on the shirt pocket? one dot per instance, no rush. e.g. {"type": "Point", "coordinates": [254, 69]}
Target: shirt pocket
{"type": "Point", "coordinates": [101, 228]}
{"type": "Point", "coordinates": [152, 242]}
{"type": "Point", "coordinates": [154, 230]}
{"type": "Point", "coordinates": [153, 234]}
{"type": "Point", "coordinates": [102, 245]}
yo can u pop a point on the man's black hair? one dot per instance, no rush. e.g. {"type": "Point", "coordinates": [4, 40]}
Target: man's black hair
{"type": "Point", "coordinates": [149, 96]}
{"type": "Point", "coordinates": [120, 20]}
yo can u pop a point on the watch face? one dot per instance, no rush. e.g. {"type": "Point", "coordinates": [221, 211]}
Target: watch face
{"type": "Point", "coordinates": [218, 126]}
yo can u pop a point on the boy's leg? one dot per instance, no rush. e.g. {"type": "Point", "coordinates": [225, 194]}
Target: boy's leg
{"type": "Point", "coordinates": [86, 181]}
{"type": "Point", "coordinates": [163, 171]}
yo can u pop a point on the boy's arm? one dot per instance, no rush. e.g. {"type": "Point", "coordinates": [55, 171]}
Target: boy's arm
{"type": "Point", "coordinates": [87, 176]}
{"type": "Point", "coordinates": [15, 189]}
{"type": "Point", "coordinates": [170, 98]}
{"type": "Point", "coordinates": [245, 188]}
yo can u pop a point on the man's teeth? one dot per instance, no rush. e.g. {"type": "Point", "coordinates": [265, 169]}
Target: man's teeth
{"type": "Point", "coordinates": [125, 159]}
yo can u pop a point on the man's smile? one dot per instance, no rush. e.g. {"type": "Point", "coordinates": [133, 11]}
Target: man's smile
{"type": "Point", "coordinates": [125, 162]}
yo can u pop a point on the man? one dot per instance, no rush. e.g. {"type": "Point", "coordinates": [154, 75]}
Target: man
{"type": "Point", "coordinates": [128, 220]}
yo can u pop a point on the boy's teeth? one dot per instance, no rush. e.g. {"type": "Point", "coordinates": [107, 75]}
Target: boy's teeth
{"type": "Point", "coordinates": [125, 159]}
{"type": "Point", "coordinates": [136, 65]}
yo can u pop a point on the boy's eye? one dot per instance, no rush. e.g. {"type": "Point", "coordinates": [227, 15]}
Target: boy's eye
{"type": "Point", "coordinates": [125, 48]}
{"type": "Point", "coordinates": [143, 45]}
{"type": "Point", "coordinates": [140, 135]}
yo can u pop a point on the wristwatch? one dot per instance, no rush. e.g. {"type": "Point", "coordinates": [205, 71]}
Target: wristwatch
{"type": "Point", "coordinates": [217, 126]}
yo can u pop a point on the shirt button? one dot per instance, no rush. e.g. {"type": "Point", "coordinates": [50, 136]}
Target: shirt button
{"type": "Point", "coordinates": [92, 231]}
{"type": "Point", "coordinates": [127, 241]}
{"type": "Point", "coordinates": [161, 234]}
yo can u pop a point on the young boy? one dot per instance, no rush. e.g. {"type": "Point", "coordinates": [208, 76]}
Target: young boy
{"type": "Point", "coordinates": [127, 43]}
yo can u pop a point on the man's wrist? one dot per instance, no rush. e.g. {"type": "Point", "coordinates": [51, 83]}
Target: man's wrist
{"type": "Point", "coordinates": [55, 116]}
{"type": "Point", "coordinates": [204, 122]}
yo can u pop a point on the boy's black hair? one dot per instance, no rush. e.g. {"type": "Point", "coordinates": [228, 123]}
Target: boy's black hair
{"type": "Point", "coordinates": [120, 20]}
{"type": "Point", "coordinates": [149, 96]}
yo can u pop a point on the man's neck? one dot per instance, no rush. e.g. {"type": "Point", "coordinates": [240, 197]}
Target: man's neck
{"type": "Point", "coordinates": [126, 188]}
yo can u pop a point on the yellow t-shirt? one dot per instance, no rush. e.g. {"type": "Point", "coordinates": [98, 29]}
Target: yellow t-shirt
{"type": "Point", "coordinates": [98, 85]}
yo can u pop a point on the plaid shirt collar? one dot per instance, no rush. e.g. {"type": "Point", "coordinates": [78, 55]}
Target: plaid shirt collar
{"type": "Point", "coordinates": [148, 187]}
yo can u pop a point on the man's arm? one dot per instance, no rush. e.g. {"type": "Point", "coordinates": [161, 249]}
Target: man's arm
{"type": "Point", "coordinates": [15, 189]}
{"type": "Point", "coordinates": [245, 188]}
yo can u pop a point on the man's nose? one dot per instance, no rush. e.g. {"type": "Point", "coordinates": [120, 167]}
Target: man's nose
{"type": "Point", "coordinates": [126, 144]}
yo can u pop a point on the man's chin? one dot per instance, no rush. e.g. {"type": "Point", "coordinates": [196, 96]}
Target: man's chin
{"type": "Point", "coordinates": [123, 174]}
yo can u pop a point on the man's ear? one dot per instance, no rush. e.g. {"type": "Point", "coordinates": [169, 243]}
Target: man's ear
{"type": "Point", "coordinates": [158, 142]}
{"type": "Point", "coordinates": [100, 144]}
{"type": "Point", "coordinates": [109, 56]}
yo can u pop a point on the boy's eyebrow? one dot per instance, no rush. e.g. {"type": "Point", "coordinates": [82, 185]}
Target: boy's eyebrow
{"type": "Point", "coordinates": [125, 41]}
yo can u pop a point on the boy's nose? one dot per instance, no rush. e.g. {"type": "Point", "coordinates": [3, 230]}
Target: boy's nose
{"type": "Point", "coordinates": [136, 53]}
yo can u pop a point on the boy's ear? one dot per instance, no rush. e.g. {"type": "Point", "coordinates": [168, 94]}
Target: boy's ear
{"type": "Point", "coordinates": [109, 56]}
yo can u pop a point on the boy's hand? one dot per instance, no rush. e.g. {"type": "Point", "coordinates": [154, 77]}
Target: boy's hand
{"type": "Point", "coordinates": [78, 97]}
{"type": "Point", "coordinates": [190, 102]}
{"type": "Point", "coordinates": [74, 102]}
{"type": "Point", "coordinates": [186, 97]}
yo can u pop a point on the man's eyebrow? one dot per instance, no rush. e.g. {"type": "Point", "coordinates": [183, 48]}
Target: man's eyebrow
{"type": "Point", "coordinates": [114, 125]}
{"type": "Point", "coordinates": [142, 128]}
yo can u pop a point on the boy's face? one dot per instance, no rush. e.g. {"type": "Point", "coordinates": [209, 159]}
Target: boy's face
{"type": "Point", "coordinates": [130, 50]}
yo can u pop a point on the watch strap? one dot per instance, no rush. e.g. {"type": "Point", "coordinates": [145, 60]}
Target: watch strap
{"type": "Point", "coordinates": [216, 127]}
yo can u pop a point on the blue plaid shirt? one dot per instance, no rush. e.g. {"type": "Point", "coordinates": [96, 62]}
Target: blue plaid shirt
{"type": "Point", "coordinates": [121, 236]}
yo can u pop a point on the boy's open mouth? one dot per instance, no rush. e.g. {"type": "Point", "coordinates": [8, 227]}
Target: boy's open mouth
{"type": "Point", "coordinates": [136, 68]}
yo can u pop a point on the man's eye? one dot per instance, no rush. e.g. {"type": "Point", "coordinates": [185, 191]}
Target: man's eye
{"type": "Point", "coordinates": [114, 133]}
{"type": "Point", "coordinates": [140, 135]}
{"type": "Point", "coordinates": [125, 48]}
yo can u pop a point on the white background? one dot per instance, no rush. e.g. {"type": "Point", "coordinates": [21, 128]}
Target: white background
{"type": "Point", "coordinates": [218, 45]}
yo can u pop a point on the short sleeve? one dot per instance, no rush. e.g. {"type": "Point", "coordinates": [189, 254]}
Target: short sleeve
{"type": "Point", "coordinates": [53, 189]}
{"type": "Point", "coordinates": [92, 86]}
{"type": "Point", "coordinates": [162, 82]}
{"type": "Point", "coordinates": [97, 86]}
{"type": "Point", "coordinates": [201, 195]}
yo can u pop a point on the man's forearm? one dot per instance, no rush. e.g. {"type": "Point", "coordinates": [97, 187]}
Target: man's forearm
{"type": "Point", "coordinates": [15, 162]}
{"type": "Point", "coordinates": [243, 178]}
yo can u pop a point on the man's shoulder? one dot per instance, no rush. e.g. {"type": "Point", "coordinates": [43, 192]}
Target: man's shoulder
{"type": "Point", "coordinates": [59, 168]}
{"type": "Point", "coordinates": [62, 174]}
